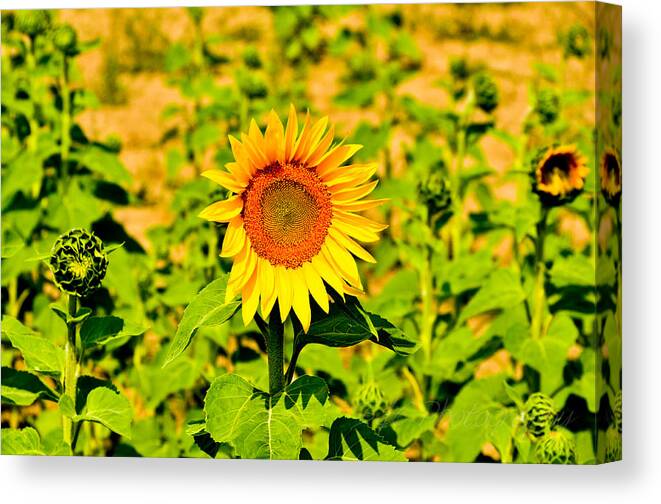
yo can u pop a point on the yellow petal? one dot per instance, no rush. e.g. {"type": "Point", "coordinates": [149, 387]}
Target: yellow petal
{"type": "Point", "coordinates": [223, 211]}
{"type": "Point", "coordinates": [250, 299]}
{"type": "Point", "coordinates": [284, 288]}
{"type": "Point", "coordinates": [343, 260]}
{"type": "Point", "coordinates": [290, 134]}
{"type": "Point", "coordinates": [243, 267]}
{"type": "Point", "coordinates": [312, 139]}
{"type": "Point", "coordinates": [300, 298]}
{"type": "Point", "coordinates": [350, 175]}
{"type": "Point", "coordinates": [255, 133]}
{"type": "Point", "coordinates": [352, 291]}
{"type": "Point", "coordinates": [225, 179]}
{"type": "Point", "coordinates": [355, 231]}
{"type": "Point", "coordinates": [241, 157]}
{"type": "Point", "coordinates": [325, 271]}
{"type": "Point", "coordinates": [257, 158]}
{"type": "Point", "coordinates": [361, 205]}
{"type": "Point", "coordinates": [305, 132]}
{"type": "Point", "coordinates": [235, 238]}
{"type": "Point", "coordinates": [274, 138]}
{"type": "Point", "coordinates": [241, 176]}
{"type": "Point", "coordinates": [360, 221]}
{"type": "Point", "coordinates": [336, 157]}
{"type": "Point", "coordinates": [320, 150]}
{"type": "Point", "coordinates": [267, 286]}
{"type": "Point", "coordinates": [346, 242]}
{"type": "Point", "coordinates": [352, 194]}
{"type": "Point", "coordinates": [316, 286]}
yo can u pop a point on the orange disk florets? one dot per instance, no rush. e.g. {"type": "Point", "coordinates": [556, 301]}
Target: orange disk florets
{"type": "Point", "coordinates": [287, 212]}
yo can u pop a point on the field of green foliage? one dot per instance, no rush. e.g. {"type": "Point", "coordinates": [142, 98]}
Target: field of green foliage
{"type": "Point", "coordinates": [490, 324]}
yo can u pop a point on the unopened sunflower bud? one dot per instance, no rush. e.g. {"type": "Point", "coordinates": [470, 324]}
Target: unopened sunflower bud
{"type": "Point", "coordinates": [435, 192]}
{"type": "Point", "coordinates": [577, 41]}
{"type": "Point", "coordinates": [548, 106]}
{"type": "Point", "coordinates": [370, 402]}
{"type": "Point", "coordinates": [556, 448]}
{"type": "Point", "coordinates": [610, 176]}
{"type": "Point", "coordinates": [558, 174]}
{"type": "Point", "coordinates": [33, 22]}
{"type": "Point", "coordinates": [78, 262]}
{"type": "Point", "coordinates": [613, 445]}
{"type": "Point", "coordinates": [539, 414]}
{"type": "Point", "coordinates": [65, 40]}
{"type": "Point", "coordinates": [486, 92]}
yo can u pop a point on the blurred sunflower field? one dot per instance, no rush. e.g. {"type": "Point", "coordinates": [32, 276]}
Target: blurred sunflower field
{"type": "Point", "coordinates": [316, 232]}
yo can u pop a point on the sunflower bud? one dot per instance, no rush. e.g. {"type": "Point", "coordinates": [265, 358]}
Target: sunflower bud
{"type": "Point", "coordinates": [78, 262]}
{"type": "Point", "coordinates": [556, 448]}
{"type": "Point", "coordinates": [370, 402]}
{"type": "Point", "coordinates": [65, 40]}
{"type": "Point", "coordinates": [617, 412]}
{"type": "Point", "coordinates": [33, 22]}
{"type": "Point", "coordinates": [558, 174]}
{"type": "Point", "coordinates": [435, 192]}
{"type": "Point", "coordinates": [486, 92]}
{"type": "Point", "coordinates": [548, 106]}
{"type": "Point", "coordinates": [539, 414]}
{"type": "Point", "coordinates": [613, 445]}
{"type": "Point", "coordinates": [577, 41]}
{"type": "Point", "coordinates": [610, 176]}
{"type": "Point", "coordinates": [459, 69]}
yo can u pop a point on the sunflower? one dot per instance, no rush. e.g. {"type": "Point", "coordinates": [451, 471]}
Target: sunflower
{"type": "Point", "coordinates": [559, 174]}
{"type": "Point", "coordinates": [610, 175]}
{"type": "Point", "coordinates": [293, 228]}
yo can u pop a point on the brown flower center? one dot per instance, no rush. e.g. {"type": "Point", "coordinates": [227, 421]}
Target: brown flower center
{"type": "Point", "coordinates": [287, 213]}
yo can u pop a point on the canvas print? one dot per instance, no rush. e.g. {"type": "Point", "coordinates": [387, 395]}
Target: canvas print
{"type": "Point", "coordinates": [342, 233]}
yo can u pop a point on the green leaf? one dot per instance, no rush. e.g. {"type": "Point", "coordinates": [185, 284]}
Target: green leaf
{"type": "Point", "coordinates": [109, 408]}
{"type": "Point", "coordinates": [104, 163]}
{"type": "Point", "coordinates": [259, 425]}
{"type": "Point", "coordinates": [573, 270]}
{"type": "Point", "coordinates": [547, 354]}
{"type": "Point", "coordinates": [476, 417]}
{"type": "Point", "coordinates": [208, 308]}
{"type": "Point", "coordinates": [82, 314]}
{"type": "Point", "coordinates": [21, 442]}
{"type": "Point", "coordinates": [21, 388]}
{"type": "Point", "coordinates": [348, 323]}
{"type": "Point", "coordinates": [351, 439]}
{"type": "Point", "coordinates": [501, 290]}
{"type": "Point", "coordinates": [103, 330]}
{"type": "Point", "coordinates": [40, 354]}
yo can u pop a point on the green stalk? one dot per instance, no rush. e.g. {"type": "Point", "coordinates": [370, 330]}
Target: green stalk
{"type": "Point", "coordinates": [539, 293]}
{"type": "Point", "coordinates": [275, 344]}
{"type": "Point", "coordinates": [34, 125]}
{"type": "Point", "coordinates": [71, 369]}
{"type": "Point", "coordinates": [65, 141]}
{"type": "Point", "coordinates": [457, 203]}
{"type": "Point", "coordinates": [427, 295]}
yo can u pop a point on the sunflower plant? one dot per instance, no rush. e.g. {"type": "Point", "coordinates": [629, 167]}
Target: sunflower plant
{"type": "Point", "coordinates": [293, 232]}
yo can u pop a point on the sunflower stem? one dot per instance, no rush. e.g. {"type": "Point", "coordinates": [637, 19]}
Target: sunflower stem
{"type": "Point", "coordinates": [70, 370]}
{"type": "Point", "coordinates": [275, 343]}
{"type": "Point", "coordinates": [539, 294]}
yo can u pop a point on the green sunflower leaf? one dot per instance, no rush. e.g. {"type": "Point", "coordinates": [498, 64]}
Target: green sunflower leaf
{"type": "Point", "coordinates": [258, 425]}
{"type": "Point", "coordinates": [208, 308]}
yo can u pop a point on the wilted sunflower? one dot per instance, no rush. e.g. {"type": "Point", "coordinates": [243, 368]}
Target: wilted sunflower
{"type": "Point", "coordinates": [292, 217]}
{"type": "Point", "coordinates": [559, 174]}
{"type": "Point", "coordinates": [610, 175]}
